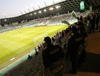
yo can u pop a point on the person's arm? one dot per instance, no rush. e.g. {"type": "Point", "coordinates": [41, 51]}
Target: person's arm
{"type": "Point", "coordinates": [45, 59]}
{"type": "Point", "coordinates": [68, 48]}
{"type": "Point", "coordinates": [62, 52]}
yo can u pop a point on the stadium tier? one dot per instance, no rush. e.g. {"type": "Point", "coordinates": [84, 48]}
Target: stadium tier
{"type": "Point", "coordinates": [22, 66]}
{"type": "Point", "coordinates": [20, 35]}
{"type": "Point", "coordinates": [54, 20]}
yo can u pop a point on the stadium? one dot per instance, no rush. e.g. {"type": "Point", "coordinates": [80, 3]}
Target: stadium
{"type": "Point", "coordinates": [21, 34]}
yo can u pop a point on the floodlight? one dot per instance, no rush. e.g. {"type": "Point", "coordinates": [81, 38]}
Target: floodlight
{"type": "Point", "coordinates": [5, 20]}
{"type": "Point", "coordinates": [31, 14]}
{"type": "Point", "coordinates": [57, 7]}
{"type": "Point", "coordinates": [35, 13]}
{"type": "Point", "coordinates": [26, 15]}
{"type": "Point", "coordinates": [45, 10]}
{"type": "Point", "coordinates": [40, 12]}
{"type": "Point", "coordinates": [51, 8]}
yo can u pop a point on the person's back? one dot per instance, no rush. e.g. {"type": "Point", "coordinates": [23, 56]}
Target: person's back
{"type": "Point", "coordinates": [72, 49]}
{"type": "Point", "coordinates": [74, 43]}
{"type": "Point", "coordinates": [51, 54]}
{"type": "Point", "coordinates": [84, 37]}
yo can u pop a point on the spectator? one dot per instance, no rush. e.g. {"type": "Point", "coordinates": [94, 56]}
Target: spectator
{"type": "Point", "coordinates": [52, 56]}
{"type": "Point", "coordinates": [92, 23]}
{"type": "Point", "coordinates": [62, 34]}
{"type": "Point", "coordinates": [36, 52]}
{"type": "Point", "coordinates": [54, 43]}
{"type": "Point", "coordinates": [39, 48]}
{"type": "Point", "coordinates": [97, 21]}
{"type": "Point", "coordinates": [81, 18]}
{"type": "Point", "coordinates": [81, 30]}
{"type": "Point", "coordinates": [72, 48]}
{"type": "Point", "coordinates": [53, 39]}
{"type": "Point", "coordinates": [29, 57]}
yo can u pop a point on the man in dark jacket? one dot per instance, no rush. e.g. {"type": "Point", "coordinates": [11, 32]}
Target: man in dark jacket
{"type": "Point", "coordinates": [81, 30]}
{"type": "Point", "coordinates": [52, 53]}
{"type": "Point", "coordinates": [74, 43]}
{"type": "Point", "coordinates": [92, 23]}
{"type": "Point", "coordinates": [97, 21]}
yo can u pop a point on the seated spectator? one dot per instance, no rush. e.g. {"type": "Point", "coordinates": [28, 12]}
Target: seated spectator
{"type": "Point", "coordinates": [36, 52]}
{"type": "Point", "coordinates": [29, 57]}
{"type": "Point", "coordinates": [39, 48]}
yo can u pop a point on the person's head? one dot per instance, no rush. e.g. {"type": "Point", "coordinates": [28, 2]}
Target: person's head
{"type": "Point", "coordinates": [81, 18]}
{"type": "Point", "coordinates": [47, 40]}
{"type": "Point", "coordinates": [74, 29]}
{"type": "Point", "coordinates": [78, 18]}
{"type": "Point", "coordinates": [79, 24]}
{"type": "Point", "coordinates": [28, 55]}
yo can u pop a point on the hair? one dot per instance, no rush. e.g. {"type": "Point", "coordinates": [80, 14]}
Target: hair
{"type": "Point", "coordinates": [47, 40]}
{"type": "Point", "coordinates": [74, 29]}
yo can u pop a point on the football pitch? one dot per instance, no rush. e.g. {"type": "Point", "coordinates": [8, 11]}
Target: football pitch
{"type": "Point", "coordinates": [14, 42]}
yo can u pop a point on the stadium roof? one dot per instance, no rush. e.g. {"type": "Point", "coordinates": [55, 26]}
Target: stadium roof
{"type": "Point", "coordinates": [57, 8]}
{"type": "Point", "coordinates": [11, 8]}
{"type": "Point", "coordinates": [61, 7]}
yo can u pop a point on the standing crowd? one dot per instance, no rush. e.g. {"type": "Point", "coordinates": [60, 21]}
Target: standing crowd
{"type": "Point", "coordinates": [67, 45]}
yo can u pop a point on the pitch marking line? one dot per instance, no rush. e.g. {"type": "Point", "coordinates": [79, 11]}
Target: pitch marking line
{"type": "Point", "coordinates": [12, 58]}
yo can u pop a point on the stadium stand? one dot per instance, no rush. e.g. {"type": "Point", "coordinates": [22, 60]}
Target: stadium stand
{"type": "Point", "coordinates": [31, 67]}
{"type": "Point", "coordinates": [35, 65]}
{"type": "Point", "coordinates": [54, 20]}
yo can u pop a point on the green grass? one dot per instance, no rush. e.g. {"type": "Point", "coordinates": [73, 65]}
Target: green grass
{"type": "Point", "coordinates": [16, 41]}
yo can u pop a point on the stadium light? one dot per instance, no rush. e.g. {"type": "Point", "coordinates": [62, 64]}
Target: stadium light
{"type": "Point", "coordinates": [51, 8]}
{"type": "Point", "coordinates": [31, 14]}
{"type": "Point", "coordinates": [5, 20]}
{"type": "Point", "coordinates": [26, 15]}
{"type": "Point", "coordinates": [35, 13]}
{"type": "Point", "coordinates": [57, 7]}
{"type": "Point", "coordinates": [45, 10]}
{"type": "Point", "coordinates": [40, 12]}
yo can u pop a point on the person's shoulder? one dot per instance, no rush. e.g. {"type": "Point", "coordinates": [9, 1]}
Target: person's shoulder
{"type": "Point", "coordinates": [79, 35]}
{"type": "Point", "coordinates": [44, 51]}
{"type": "Point", "coordinates": [56, 45]}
